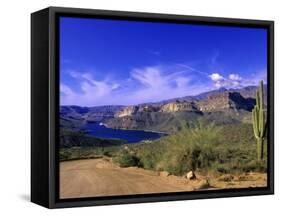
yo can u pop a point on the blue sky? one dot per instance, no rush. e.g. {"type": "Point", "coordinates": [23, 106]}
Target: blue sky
{"type": "Point", "coordinates": [110, 62]}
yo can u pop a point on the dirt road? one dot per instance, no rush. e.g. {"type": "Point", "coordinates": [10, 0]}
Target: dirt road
{"type": "Point", "coordinates": [99, 177]}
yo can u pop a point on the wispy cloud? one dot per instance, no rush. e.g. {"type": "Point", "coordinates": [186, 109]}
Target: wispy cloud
{"type": "Point", "coordinates": [215, 57]}
{"type": "Point", "coordinates": [147, 84]}
{"type": "Point", "coordinates": [192, 69]}
{"type": "Point", "coordinates": [234, 77]}
{"type": "Point", "coordinates": [214, 62]}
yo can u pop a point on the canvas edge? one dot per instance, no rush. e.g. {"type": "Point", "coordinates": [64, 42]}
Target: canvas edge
{"type": "Point", "coordinates": [54, 203]}
{"type": "Point", "coordinates": [39, 108]}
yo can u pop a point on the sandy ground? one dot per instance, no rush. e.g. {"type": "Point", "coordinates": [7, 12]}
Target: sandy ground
{"type": "Point", "coordinates": [100, 177]}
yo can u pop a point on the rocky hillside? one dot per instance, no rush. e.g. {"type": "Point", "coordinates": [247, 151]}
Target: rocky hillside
{"type": "Point", "coordinates": [224, 101]}
{"type": "Point", "coordinates": [221, 106]}
{"type": "Point", "coordinates": [75, 116]}
{"type": "Point", "coordinates": [98, 113]}
{"type": "Point", "coordinates": [246, 92]}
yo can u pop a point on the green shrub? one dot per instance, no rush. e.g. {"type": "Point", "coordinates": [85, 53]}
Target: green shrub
{"type": "Point", "coordinates": [221, 168]}
{"type": "Point", "coordinates": [207, 148]}
{"type": "Point", "coordinates": [192, 148]}
{"type": "Point", "coordinates": [186, 150]}
{"type": "Point", "coordinates": [126, 159]}
{"type": "Point", "coordinates": [107, 153]}
{"type": "Point", "coordinates": [76, 153]}
{"type": "Point", "coordinates": [254, 166]}
{"type": "Point", "coordinates": [64, 155]}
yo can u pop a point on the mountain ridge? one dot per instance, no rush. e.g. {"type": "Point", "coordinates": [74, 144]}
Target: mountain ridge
{"type": "Point", "coordinates": [221, 105]}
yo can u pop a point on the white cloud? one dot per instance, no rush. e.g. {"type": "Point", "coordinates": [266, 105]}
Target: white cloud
{"type": "Point", "coordinates": [234, 77]}
{"type": "Point", "coordinates": [148, 84]}
{"type": "Point", "coordinates": [216, 77]}
{"type": "Point", "coordinates": [182, 81]}
{"type": "Point", "coordinates": [157, 85]}
{"type": "Point", "coordinates": [65, 89]}
{"type": "Point", "coordinates": [219, 84]}
{"type": "Point", "coordinates": [92, 91]}
{"type": "Point", "coordinates": [149, 77]}
{"type": "Point", "coordinates": [67, 95]}
{"type": "Point", "coordinates": [236, 84]}
{"type": "Point", "coordinates": [220, 81]}
{"type": "Point", "coordinates": [236, 81]}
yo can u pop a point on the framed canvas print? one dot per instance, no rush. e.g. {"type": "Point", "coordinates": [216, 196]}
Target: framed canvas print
{"type": "Point", "coordinates": [138, 107]}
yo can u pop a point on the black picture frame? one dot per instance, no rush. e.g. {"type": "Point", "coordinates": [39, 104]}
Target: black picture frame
{"type": "Point", "coordinates": [45, 106]}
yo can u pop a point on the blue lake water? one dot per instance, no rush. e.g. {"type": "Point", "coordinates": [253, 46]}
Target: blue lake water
{"type": "Point", "coordinates": [131, 136]}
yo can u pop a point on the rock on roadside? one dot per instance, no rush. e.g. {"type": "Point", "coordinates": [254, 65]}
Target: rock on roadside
{"type": "Point", "coordinates": [190, 175]}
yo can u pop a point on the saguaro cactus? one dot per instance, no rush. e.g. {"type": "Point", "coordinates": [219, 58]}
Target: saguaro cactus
{"type": "Point", "coordinates": [259, 121]}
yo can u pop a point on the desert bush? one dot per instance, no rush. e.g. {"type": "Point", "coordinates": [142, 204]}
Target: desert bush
{"type": "Point", "coordinates": [202, 147]}
{"type": "Point", "coordinates": [70, 138]}
{"type": "Point", "coordinates": [126, 158]}
{"type": "Point", "coordinates": [221, 168]}
{"type": "Point", "coordinates": [186, 150]}
{"type": "Point", "coordinates": [76, 153]}
{"type": "Point", "coordinates": [254, 166]}
{"type": "Point", "coordinates": [192, 148]}
{"type": "Point", "coordinates": [64, 155]}
{"type": "Point", "coordinates": [107, 153]}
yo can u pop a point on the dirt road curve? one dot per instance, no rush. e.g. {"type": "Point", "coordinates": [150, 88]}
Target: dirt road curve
{"type": "Point", "coordinates": [100, 177]}
{"type": "Point", "coordinates": [96, 177]}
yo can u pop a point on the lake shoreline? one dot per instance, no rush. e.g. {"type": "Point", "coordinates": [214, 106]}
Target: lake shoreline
{"type": "Point", "coordinates": [160, 132]}
{"type": "Point", "coordinates": [101, 130]}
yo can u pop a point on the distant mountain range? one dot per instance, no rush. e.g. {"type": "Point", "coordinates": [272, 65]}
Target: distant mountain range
{"type": "Point", "coordinates": [246, 92]}
{"type": "Point", "coordinates": [222, 106]}
{"type": "Point", "coordinates": [96, 114]}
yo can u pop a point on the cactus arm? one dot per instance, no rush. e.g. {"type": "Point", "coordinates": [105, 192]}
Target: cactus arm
{"type": "Point", "coordinates": [261, 95]}
{"type": "Point", "coordinates": [264, 132]}
{"type": "Point", "coordinates": [257, 98]}
{"type": "Point", "coordinates": [259, 121]}
{"type": "Point", "coordinates": [254, 125]}
{"type": "Point", "coordinates": [261, 112]}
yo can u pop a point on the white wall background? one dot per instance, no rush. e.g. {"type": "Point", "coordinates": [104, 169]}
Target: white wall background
{"type": "Point", "coordinates": [15, 106]}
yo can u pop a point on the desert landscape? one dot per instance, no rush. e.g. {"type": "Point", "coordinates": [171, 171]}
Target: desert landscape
{"type": "Point", "coordinates": [214, 148]}
{"type": "Point", "coordinates": [152, 107]}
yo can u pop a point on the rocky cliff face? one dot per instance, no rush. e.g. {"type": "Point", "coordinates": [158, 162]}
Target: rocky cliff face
{"type": "Point", "coordinates": [132, 110]}
{"type": "Point", "coordinates": [222, 107]}
{"type": "Point", "coordinates": [225, 101]}
{"type": "Point", "coordinates": [213, 103]}
{"type": "Point", "coordinates": [178, 107]}
{"type": "Point", "coordinates": [127, 111]}
{"type": "Point", "coordinates": [166, 108]}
